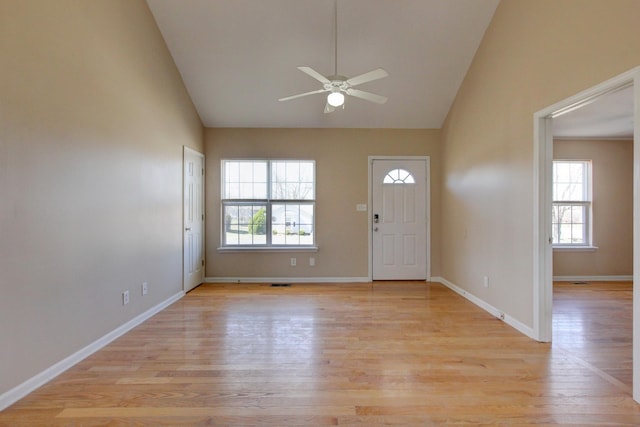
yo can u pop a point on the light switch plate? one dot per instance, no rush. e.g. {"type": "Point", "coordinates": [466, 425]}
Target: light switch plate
{"type": "Point", "coordinates": [361, 207]}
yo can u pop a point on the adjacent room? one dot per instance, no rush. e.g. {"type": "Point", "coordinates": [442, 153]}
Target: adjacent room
{"type": "Point", "coordinates": [593, 233]}
{"type": "Point", "coordinates": [316, 212]}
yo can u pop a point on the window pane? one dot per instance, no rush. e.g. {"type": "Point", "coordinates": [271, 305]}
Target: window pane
{"type": "Point", "coordinates": [292, 180]}
{"type": "Point", "coordinates": [564, 236]}
{"type": "Point", "coordinates": [577, 234]}
{"type": "Point", "coordinates": [307, 173]}
{"type": "Point", "coordinates": [246, 172]}
{"type": "Point", "coordinates": [569, 225]}
{"type": "Point", "coordinates": [398, 176]}
{"type": "Point", "coordinates": [245, 179]}
{"type": "Point", "coordinates": [292, 224]}
{"type": "Point", "coordinates": [569, 181]}
{"type": "Point", "coordinates": [246, 191]}
{"type": "Point", "coordinates": [230, 225]}
{"type": "Point", "coordinates": [577, 214]}
{"type": "Point", "coordinates": [245, 225]}
{"type": "Point", "coordinates": [555, 230]}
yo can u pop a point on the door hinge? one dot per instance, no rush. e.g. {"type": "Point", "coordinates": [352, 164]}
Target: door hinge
{"type": "Point", "coordinates": [203, 217]}
{"type": "Point", "coordinates": [202, 171]}
{"type": "Point", "coordinates": [203, 263]}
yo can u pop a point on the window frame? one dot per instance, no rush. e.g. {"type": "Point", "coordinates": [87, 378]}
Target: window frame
{"type": "Point", "coordinates": [268, 203]}
{"type": "Point", "coordinates": [586, 203]}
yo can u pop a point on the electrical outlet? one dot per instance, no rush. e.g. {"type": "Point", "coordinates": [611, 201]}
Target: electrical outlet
{"type": "Point", "coordinates": [125, 298]}
{"type": "Point", "coordinates": [145, 288]}
{"type": "Point", "coordinates": [312, 261]}
{"type": "Point", "coordinates": [486, 281]}
{"type": "Point", "coordinates": [293, 262]}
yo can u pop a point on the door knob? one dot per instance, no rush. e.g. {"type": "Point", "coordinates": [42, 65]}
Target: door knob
{"type": "Point", "coordinates": [187, 229]}
{"type": "Point", "coordinates": [375, 229]}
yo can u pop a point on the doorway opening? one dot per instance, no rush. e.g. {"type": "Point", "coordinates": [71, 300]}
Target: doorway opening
{"type": "Point", "coordinates": [543, 205]}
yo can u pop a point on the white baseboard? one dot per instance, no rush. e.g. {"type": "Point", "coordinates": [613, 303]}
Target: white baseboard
{"type": "Point", "coordinates": [592, 278]}
{"type": "Point", "coordinates": [10, 397]}
{"type": "Point", "coordinates": [286, 279]}
{"type": "Point", "coordinates": [514, 323]}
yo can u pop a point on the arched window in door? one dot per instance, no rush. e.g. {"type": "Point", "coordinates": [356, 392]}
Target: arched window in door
{"type": "Point", "coordinates": [399, 176]}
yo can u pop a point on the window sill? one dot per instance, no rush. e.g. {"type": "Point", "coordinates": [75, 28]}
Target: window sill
{"type": "Point", "coordinates": [238, 249]}
{"type": "Point", "coordinates": [575, 248]}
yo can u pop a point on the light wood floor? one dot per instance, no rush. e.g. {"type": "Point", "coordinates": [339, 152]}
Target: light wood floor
{"type": "Point", "coordinates": [592, 322]}
{"type": "Point", "coordinates": [391, 353]}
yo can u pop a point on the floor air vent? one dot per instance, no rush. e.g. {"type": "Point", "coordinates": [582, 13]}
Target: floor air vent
{"type": "Point", "coordinates": [281, 285]}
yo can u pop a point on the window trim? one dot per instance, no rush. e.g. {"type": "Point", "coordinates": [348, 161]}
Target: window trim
{"type": "Point", "coordinates": [587, 245]}
{"type": "Point", "coordinates": [268, 203]}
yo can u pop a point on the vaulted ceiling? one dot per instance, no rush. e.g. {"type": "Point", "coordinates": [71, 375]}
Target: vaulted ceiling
{"type": "Point", "coordinates": [238, 57]}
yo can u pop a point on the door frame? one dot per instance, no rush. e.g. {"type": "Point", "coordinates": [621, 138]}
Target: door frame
{"type": "Point", "coordinates": [427, 161]}
{"type": "Point", "coordinates": [186, 150]}
{"type": "Point", "coordinates": [542, 202]}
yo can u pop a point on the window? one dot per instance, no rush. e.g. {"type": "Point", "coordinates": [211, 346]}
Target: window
{"type": "Point", "coordinates": [399, 176]}
{"type": "Point", "coordinates": [268, 203]}
{"type": "Point", "coordinates": [571, 219]}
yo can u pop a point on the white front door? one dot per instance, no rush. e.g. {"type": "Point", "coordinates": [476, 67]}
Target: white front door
{"type": "Point", "coordinates": [399, 219]}
{"type": "Point", "coordinates": [193, 219]}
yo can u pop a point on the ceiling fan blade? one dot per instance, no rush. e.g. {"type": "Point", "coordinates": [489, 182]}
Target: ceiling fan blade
{"type": "Point", "coordinates": [367, 96]}
{"type": "Point", "coordinates": [329, 108]}
{"type": "Point", "coordinates": [313, 73]}
{"type": "Point", "coordinates": [367, 77]}
{"type": "Point", "coordinates": [287, 98]}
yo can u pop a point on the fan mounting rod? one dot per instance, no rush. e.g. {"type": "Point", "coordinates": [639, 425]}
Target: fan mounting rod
{"type": "Point", "coordinates": [335, 40]}
{"type": "Point", "coordinates": [337, 85]}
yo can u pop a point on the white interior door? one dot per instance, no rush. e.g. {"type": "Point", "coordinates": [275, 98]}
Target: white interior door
{"type": "Point", "coordinates": [193, 219]}
{"type": "Point", "coordinates": [399, 219]}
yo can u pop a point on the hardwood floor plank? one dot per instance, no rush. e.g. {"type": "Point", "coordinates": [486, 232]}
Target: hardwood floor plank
{"type": "Point", "coordinates": [592, 323]}
{"type": "Point", "coordinates": [390, 353]}
{"type": "Point", "coordinates": [211, 411]}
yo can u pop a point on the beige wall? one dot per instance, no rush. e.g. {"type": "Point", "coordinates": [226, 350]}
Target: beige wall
{"type": "Point", "coordinates": [612, 171]}
{"type": "Point", "coordinates": [534, 54]}
{"type": "Point", "coordinates": [341, 157]}
{"type": "Point", "coordinates": [93, 116]}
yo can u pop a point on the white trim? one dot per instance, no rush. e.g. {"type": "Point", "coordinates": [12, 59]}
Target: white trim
{"type": "Point", "coordinates": [593, 138]}
{"type": "Point", "coordinates": [636, 237]}
{"type": "Point", "coordinates": [286, 279]}
{"type": "Point", "coordinates": [541, 261]}
{"type": "Point", "coordinates": [514, 323]}
{"type": "Point", "coordinates": [245, 249]}
{"type": "Point", "coordinates": [427, 160]}
{"type": "Point", "coordinates": [622, 278]}
{"type": "Point", "coordinates": [12, 396]}
{"type": "Point", "coordinates": [542, 239]}
{"type": "Point", "coordinates": [569, 248]}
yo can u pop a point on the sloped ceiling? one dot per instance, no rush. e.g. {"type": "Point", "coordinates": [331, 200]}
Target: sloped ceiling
{"type": "Point", "coordinates": [237, 57]}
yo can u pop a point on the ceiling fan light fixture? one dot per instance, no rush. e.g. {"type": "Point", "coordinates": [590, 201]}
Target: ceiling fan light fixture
{"type": "Point", "coordinates": [337, 85]}
{"type": "Point", "coordinates": [335, 99]}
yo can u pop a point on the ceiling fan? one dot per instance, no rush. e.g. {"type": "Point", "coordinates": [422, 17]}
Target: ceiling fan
{"type": "Point", "coordinates": [338, 86]}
